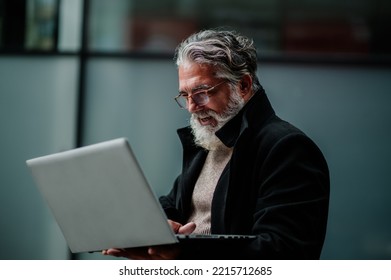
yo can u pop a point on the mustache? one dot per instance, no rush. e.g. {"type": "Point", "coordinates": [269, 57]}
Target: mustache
{"type": "Point", "coordinates": [205, 114]}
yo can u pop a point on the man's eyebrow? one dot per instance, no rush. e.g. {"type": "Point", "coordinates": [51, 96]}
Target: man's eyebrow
{"type": "Point", "coordinates": [202, 86]}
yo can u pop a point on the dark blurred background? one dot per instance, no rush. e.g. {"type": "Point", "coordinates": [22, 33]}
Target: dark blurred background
{"type": "Point", "coordinates": [76, 72]}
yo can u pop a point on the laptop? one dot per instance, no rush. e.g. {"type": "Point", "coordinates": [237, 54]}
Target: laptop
{"type": "Point", "coordinates": [101, 199]}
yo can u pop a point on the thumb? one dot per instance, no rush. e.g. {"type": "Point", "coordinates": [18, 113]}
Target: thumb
{"type": "Point", "coordinates": [187, 228]}
{"type": "Point", "coordinates": [174, 225]}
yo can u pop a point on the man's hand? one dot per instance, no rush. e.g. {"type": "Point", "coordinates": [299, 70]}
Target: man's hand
{"type": "Point", "coordinates": [162, 252]}
{"type": "Point", "coordinates": [182, 229]}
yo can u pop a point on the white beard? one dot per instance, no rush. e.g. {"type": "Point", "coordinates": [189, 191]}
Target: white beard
{"type": "Point", "coordinates": [204, 136]}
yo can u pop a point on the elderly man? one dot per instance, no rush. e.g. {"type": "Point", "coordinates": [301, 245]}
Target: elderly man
{"type": "Point", "coordinates": [245, 171]}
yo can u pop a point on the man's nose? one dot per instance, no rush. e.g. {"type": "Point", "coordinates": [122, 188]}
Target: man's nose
{"type": "Point", "coordinates": [192, 106]}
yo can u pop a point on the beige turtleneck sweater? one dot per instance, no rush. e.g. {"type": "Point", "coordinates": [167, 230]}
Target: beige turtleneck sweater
{"type": "Point", "coordinates": [205, 187]}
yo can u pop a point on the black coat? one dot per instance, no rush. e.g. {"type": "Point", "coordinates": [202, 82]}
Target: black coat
{"type": "Point", "coordinates": [276, 186]}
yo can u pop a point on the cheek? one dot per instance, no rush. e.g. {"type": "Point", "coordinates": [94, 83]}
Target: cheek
{"type": "Point", "coordinates": [219, 103]}
{"type": "Point", "coordinates": [220, 106]}
{"type": "Point", "coordinates": [217, 108]}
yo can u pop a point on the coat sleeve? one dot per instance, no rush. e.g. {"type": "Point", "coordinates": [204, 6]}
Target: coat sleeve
{"type": "Point", "coordinates": [291, 208]}
{"type": "Point", "coordinates": [169, 203]}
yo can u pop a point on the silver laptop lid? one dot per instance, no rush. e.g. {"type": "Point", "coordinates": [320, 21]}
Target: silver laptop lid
{"type": "Point", "coordinates": [100, 198]}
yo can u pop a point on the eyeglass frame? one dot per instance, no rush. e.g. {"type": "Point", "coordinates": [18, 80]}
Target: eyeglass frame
{"type": "Point", "coordinates": [197, 91]}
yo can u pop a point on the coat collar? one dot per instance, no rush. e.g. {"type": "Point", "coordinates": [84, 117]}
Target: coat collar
{"type": "Point", "coordinates": [256, 111]}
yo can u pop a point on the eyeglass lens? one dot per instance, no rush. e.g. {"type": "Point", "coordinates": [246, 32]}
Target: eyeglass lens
{"type": "Point", "coordinates": [200, 99]}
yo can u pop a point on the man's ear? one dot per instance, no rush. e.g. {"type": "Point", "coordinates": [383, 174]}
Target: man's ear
{"type": "Point", "coordinates": [245, 86]}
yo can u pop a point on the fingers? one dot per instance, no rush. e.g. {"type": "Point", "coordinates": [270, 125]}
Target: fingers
{"type": "Point", "coordinates": [155, 252]}
{"type": "Point", "coordinates": [174, 225]}
{"type": "Point", "coordinates": [164, 252]}
{"type": "Point", "coordinates": [136, 253]}
{"type": "Point", "coordinates": [187, 228]}
{"type": "Point", "coordinates": [182, 229]}
{"type": "Point", "coordinates": [116, 252]}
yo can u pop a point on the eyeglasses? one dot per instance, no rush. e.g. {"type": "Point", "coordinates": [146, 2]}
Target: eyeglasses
{"type": "Point", "coordinates": [199, 97]}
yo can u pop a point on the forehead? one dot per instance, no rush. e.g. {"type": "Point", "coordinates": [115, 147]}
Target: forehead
{"type": "Point", "coordinates": [192, 75]}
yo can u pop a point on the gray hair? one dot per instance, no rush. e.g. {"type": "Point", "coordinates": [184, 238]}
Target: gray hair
{"type": "Point", "coordinates": [233, 55]}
